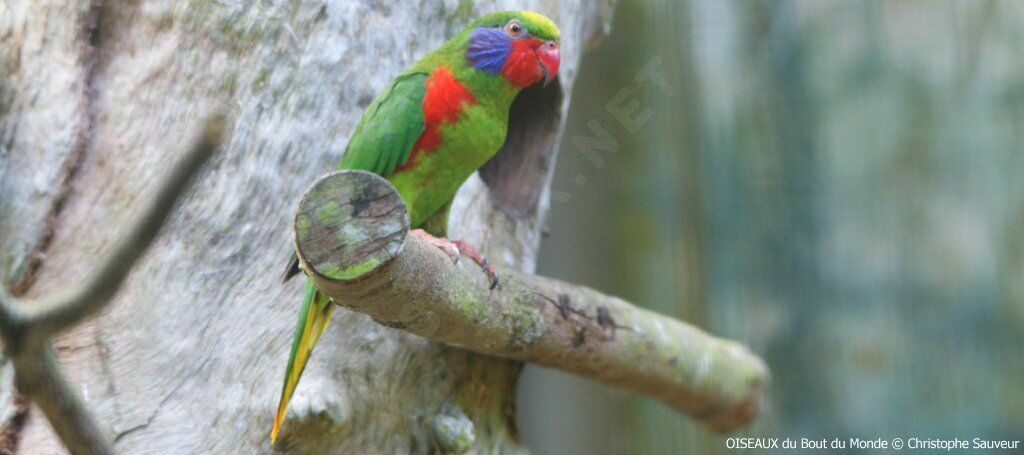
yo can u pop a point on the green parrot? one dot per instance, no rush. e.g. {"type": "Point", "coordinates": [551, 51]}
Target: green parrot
{"type": "Point", "coordinates": [428, 131]}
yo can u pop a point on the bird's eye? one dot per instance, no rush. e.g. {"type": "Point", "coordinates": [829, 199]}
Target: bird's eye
{"type": "Point", "coordinates": [514, 28]}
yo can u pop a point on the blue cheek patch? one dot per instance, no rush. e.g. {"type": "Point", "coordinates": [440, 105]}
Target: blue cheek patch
{"type": "Point", "coordinates": [488, 49]}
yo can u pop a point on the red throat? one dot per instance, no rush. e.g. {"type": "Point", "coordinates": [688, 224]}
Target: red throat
{"type": "Point", "coordinates": [523, 68]}
{"type": "Point", "coordinates": [446, 98]}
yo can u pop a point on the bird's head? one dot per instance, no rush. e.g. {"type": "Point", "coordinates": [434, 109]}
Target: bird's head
{"type": "Point", "coordinates": [522, 46]}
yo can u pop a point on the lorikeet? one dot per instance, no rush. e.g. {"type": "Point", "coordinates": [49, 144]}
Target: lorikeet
{"type": "Point", "coordinates": [428, 131]}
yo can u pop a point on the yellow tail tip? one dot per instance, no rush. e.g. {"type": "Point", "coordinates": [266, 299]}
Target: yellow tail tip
{"type": "Point", "coordinates": [277, 427]}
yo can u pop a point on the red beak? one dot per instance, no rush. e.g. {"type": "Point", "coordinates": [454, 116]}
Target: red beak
{"type": "Point", "coordinates": [549, 58]}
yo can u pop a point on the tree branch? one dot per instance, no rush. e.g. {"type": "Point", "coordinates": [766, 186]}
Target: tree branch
{"type": "Point", "coordinates": [26, 327]}
{"type": "Point", "coordinates": [351, 237]}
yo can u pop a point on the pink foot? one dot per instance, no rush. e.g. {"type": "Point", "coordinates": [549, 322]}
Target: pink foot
{"type": "Point", "coordinates": [460, 248]}
{"type": "Point", "coordinates": [449, 247]}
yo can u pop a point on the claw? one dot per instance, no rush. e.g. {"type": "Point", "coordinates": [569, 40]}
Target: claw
{"type": "Point", "coordinates": [494, 276]}
{"type": "Point", "coordinates": [470, 251]}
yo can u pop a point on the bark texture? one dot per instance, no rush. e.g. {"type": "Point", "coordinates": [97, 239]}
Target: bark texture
{"type": "Point", "coordinates": [351, 235]}
{"type": "Point", "coordinates": [96, 99]}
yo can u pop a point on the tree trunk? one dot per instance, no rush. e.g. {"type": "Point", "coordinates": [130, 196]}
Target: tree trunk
{"type": "Point", "coordinates": [97, 99]}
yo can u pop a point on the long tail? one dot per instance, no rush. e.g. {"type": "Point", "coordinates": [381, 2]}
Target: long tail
{"type": "Point", "coordinates": [316, 311]}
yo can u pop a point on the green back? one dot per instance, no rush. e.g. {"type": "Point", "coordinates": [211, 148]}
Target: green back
{"type": "Point", "coordinates": [390, 126]}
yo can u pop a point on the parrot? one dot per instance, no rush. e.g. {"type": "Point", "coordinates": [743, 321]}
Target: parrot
{"type": "Point", "coordinates": [426, 132]}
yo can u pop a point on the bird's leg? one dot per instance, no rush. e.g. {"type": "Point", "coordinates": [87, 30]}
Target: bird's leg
{"type": "Point", "coordinates": [450, 248]}
{"type": "Point", "coordinates": [471, 252]}
{"type": "Point", "coordinates": [460, 248]}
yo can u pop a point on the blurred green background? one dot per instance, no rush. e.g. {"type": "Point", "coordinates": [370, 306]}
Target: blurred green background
{"type": "Point", "coordinates": [838, 184]}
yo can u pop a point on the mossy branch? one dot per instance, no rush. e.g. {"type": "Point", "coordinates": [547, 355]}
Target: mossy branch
{"type": "Point", "coordinates": [351, 237]}
{"type": "Point", "coordinates": [27, 326]}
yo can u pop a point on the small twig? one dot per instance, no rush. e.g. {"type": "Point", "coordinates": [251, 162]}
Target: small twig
{"type": "Point", "coordinates": [351, 239]}
{"type": "Point", "coordinates": [10, 316]}
{"type": "Point", "coordinates": [38, 376]}
{"type": "Point", "coordinates": [26, 327]}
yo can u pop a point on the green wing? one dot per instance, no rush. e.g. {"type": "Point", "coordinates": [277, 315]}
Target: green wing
{"type": "Point", "coordinates": [383, 140]}
{"type": "Point", "coordinates": [390, 127]}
